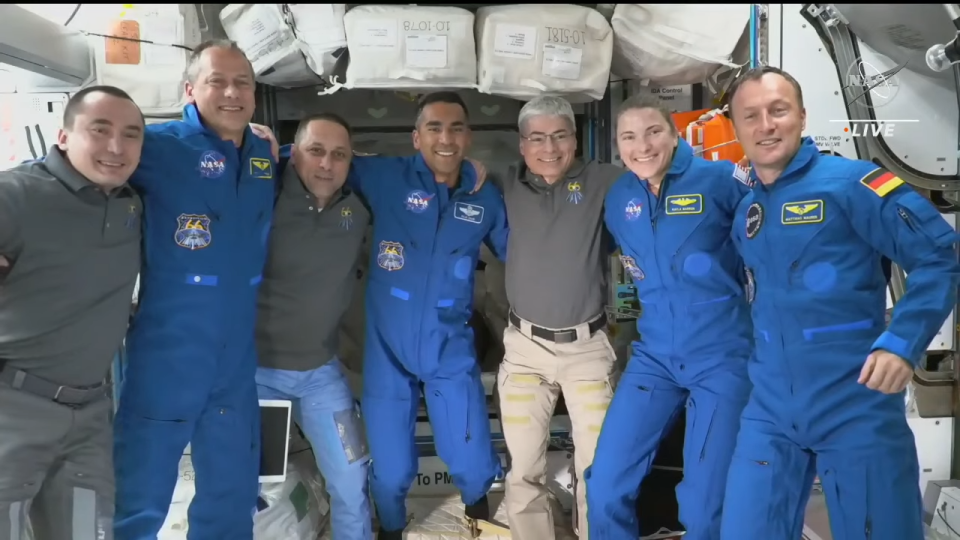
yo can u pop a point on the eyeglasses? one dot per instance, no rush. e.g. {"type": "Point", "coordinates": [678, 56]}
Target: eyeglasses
{"type": "Point", "coordinates": [540, 138]}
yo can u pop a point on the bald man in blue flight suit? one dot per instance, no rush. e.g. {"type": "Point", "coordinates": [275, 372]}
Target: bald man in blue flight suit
{"type": "Point", "coordinates": [207, 184]}
{"type": "Point", "coordinates": [428, 227]}
{"type": "Point", "coordinates": [671, 216]}
{"type": "Point", "coordinates": [829, 373]}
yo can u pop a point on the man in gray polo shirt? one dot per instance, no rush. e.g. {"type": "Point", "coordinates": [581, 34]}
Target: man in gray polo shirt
{"type": "Point", "coordinates": [307, 285]}
{"type": "Point", "coordinates": [70, 247]}
{"type": "Point", "coordinates": [555, 341]}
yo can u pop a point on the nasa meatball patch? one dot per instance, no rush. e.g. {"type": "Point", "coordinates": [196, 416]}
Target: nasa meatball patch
{"type": "Point", "coordinates": [754, 220]}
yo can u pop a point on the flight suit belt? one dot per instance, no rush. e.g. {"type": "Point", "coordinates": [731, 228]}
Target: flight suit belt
{"type": "Point", "coordinates": [560, 336]}
{"type": "Point", "coordinates": [65, 395]}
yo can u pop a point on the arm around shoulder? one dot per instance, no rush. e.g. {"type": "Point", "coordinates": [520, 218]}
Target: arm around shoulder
{"type": "Point", "coordinates": [906, 228]}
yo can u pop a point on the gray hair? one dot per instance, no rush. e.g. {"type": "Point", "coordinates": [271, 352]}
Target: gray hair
{"type": "Point", "coordinates": [193, 64]}
{"type": "Point", "coordinates": [547, 106]}
{"type": "Point", "coordinates": [638, 102]}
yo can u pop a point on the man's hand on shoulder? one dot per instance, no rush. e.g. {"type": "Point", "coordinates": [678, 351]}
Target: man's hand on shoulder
{"type": "Point", "coordinates": [266, 134]}
{"type": "Point", "coordinates": [481, 174]}
{"type": "Point", "coordinates": [885, 372]}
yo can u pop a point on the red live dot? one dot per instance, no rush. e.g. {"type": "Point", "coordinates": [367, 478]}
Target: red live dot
{"type": "Point", "coordinates": [846, 130]}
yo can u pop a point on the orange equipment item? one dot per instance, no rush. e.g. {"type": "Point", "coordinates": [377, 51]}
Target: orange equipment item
{"type": "Point", "coordinates": [711, 139]}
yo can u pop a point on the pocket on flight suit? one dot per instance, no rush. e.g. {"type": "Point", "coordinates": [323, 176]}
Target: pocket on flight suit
{"type": "Point", "coordinates": [700, 418]}
{"type": "Point", "coordinates": [449, 413]}
{"type": "Point", "coordinates": [847, 496]}
{"type": "Point", "coordinates": [862, 330]}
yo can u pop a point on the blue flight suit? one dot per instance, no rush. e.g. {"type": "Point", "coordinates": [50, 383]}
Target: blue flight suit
{"type": "Point", "coordinates": [814, 241]}
{"type": "Point", "coordinates": [426, 242]}
{"type": "Point", "coordinates": [189, 377]}
{"type": "Point", "coordinates": [695, 341]}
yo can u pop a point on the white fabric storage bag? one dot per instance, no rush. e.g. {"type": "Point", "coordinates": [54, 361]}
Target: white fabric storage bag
{"type": "Point", "coordinates": [290, 45]}
{"type": "Point", "coordinates": [673, 44]}
{"type": "Point", "coordinates": [530, 50]}
{"type": "Point", "coordinates": [410, 47]}
{"type": "Point", "coordinates": [152, 73]}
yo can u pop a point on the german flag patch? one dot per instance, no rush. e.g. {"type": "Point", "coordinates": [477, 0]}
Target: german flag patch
{"type": "Point", "coordinates": [881, 182]}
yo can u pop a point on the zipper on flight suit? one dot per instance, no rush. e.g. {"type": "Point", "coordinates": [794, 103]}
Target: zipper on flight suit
{"type": "Point", "coordinates": [767, 195]}
{"type": "Point", "coordinates": [454, 196]}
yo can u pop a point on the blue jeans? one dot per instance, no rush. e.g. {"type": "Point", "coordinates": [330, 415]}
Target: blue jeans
{"type": "Point", "coordinates": [325, 410]}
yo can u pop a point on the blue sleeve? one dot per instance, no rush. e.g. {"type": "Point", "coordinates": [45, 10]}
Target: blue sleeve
{"type": "Point", "coordinates": [366, 171]}
{"type": "Point", "coordinates": [906, 228]}
{"type": "Point", "coordinates": [153, 158]}
{"type": "Point", "coordinates": [497, 238]}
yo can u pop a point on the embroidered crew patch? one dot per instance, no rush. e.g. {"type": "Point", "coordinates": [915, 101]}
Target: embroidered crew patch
{"type": "Point", "coordinates": [193, 231]}
{"type": "Point", "coordinates": [390, 256]}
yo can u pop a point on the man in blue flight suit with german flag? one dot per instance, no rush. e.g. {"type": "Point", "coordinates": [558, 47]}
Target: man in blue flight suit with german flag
{"type": "Point", "coordinates": [207, 183]}
{"type": "Point", "coordinates": [829, 373]}
{"type": "Point", "coordinates": [429, 221]}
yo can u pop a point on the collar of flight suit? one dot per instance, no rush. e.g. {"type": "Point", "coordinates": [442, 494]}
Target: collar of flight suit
{"type": "Point", "coordinates": [806, 155]}
{"type": "Point", "coordinates": [682, 158]}
{"type": "Point", "coordinates": [56, 164]}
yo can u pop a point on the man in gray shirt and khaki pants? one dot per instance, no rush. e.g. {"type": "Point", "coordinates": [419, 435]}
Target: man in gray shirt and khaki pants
{"type": "Point", "coordinates": [555, 341]}
{"type": "Point", "coordinates": [69, 258]}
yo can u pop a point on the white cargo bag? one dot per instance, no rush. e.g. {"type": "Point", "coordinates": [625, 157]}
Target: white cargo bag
{"type": "Point", "coordinates": [297, 509]}
{"type": "Point", "coordinates": [152, 73]}
{"type": "Point", "coordinates": [670, 44]}
{"type": "Point", "coordinates": [290, 45]}
{"type": "Point", "coordinates": [410, 47]}
{"type": "Point", "coordinates": [530, 50]}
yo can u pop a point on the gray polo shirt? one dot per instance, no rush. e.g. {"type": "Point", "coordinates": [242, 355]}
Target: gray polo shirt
{"type": "Point", "coordinates": [310, 276]}
{"type": "Point", "coordinates": [65, 304]}
{"type": "Point", "coordinates": [555, 256]}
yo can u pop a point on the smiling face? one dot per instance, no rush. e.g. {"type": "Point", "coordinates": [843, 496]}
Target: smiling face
{"type": "Point", "coordinates": [548, 145]}
{"type": "Point", "coordinates": [769, 120]}
{"type": "Point", "coordinates": [443, 137]}
{"type": "Point", "coordinates": [223, 90]}
{"type": "Point", "coordinates": [104, 140]}
{"type": "Point", "coordinates": [322, 158]}
{"type": "Point", "coordinates": [646, 141]}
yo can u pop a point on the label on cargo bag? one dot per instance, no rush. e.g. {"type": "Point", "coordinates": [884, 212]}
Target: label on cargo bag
{"type": "Point", "coordinates": [515, 41]}
{"type": "Point", "coordinates": [561, 62]}
{"type": "Point", "coordinates": [426, 51]}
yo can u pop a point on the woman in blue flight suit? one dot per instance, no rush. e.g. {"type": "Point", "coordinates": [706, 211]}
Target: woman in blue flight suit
{"type": "Point", "coordinates": [671, 217]}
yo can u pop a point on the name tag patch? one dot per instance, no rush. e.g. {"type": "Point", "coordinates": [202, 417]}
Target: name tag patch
{"type": "Point", "coordinates": [468, 212]}
{"type": "Point", "coordinates": [802, 212]}
{"type": "Point", "coordinates": [261, 168]}
{"type": "Point", "coordinates": [684, 204]}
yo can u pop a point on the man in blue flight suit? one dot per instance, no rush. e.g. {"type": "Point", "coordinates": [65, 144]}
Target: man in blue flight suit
{"type": "Point", "coordinates": [428, 227]}
{"type": "Point", "coordinates": [671, 216]}
{"type": "Point", "coordinates": [829, 374]}
{"type": "Point", "coordinates": [207, 184]}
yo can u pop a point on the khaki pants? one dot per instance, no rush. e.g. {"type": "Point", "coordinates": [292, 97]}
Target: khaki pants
{"type": "Point", "coordinates": [533, 373]}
